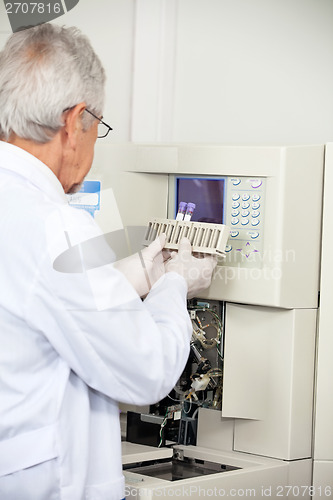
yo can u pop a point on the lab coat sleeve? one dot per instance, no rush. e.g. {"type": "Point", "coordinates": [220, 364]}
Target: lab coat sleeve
{"type": "Point", "coordinates": [131, 351]}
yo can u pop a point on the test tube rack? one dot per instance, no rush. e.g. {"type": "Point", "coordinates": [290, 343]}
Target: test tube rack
{"type": "Point", "coordinates": [207, 238]}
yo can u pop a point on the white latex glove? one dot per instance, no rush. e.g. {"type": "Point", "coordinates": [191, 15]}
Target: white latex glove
{"type": "Point", "coordinates": [144, 268]}
{"type": "Point", "coordinates": [196, 271]}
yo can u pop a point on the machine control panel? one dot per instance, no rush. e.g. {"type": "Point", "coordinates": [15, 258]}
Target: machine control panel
{"type": "Point", "coordinates": [244, 214]}
{"type": "Point", "coordinates": [237, 202]}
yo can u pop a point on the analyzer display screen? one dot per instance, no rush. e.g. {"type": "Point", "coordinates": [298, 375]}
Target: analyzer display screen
{"type": "Point", "coordinates": [208, 195]}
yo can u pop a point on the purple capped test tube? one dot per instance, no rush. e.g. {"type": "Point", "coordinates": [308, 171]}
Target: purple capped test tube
{"type": "Point", "coordinates": [181, 210]}
{"type": "Point", "coordinates": [189, 211]}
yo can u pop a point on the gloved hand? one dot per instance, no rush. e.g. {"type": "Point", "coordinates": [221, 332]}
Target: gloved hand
{"type": "Point", "coordinates": [144, 268]}
{"type": "Point", "coordinates": [196, 271]}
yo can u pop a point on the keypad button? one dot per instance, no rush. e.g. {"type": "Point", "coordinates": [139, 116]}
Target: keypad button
{"type": "Point", "coordinates": [235, 196]}
{"type": "Point", "coordinates": [234, 221]}
{"type": "Point", "coordinates": [255, 222]}
{"type": "Point", "coordinates": [256, 183]}
{"type": "Point", "coordinates": [256, 197]}
{"type": "Point", "coordinates": [245, 222]}
{"type": "Point", "coordinates": [245, 197]}
{"type": "Point", "coordinates": [234, 234]}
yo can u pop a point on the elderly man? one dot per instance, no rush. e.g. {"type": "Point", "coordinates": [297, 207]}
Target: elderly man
{"type": "Point", "coordinates": [72, 344]}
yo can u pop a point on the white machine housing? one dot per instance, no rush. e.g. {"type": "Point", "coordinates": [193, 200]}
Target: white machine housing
{"type": "Point", "coordinates": [271, 301]}
{"type": "Point", "coordinates": [266, 261]}
{"type": "Point", "coordinates": [285, 271]}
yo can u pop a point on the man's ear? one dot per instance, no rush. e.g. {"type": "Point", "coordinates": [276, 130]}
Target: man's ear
{"type": "Point", "coordinates": [73, 124]}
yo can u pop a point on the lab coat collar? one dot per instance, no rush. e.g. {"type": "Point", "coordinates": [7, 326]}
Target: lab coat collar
{"type": "Point", "coordinates": [28, 166]}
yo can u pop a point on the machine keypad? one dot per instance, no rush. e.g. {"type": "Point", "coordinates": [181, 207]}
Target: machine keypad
{"type": "Point", "coordinates": [246, 197]}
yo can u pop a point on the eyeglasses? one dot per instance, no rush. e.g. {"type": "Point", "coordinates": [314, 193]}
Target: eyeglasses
{"type": "Point", "coordinates": [103, 128]}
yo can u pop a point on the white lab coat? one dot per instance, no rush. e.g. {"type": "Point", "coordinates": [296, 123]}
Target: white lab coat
{"type": "Point", "coordinates": [72, 344]}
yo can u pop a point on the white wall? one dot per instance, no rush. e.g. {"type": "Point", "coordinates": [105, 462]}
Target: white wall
{"type": "Point", "coordinates": [228, 71]}
{"type": "Point", "coordinates": [240, 71]}
{"type": "Point", "coordinates": [5, 28]}
{"type": "Point", "coordinates": [109, 25]}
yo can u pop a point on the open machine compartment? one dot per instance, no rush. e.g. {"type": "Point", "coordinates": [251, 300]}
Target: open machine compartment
{"type": "Point", "coordinates": [178, 467]}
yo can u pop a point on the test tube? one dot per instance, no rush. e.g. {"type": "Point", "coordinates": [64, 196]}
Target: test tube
{"type": "Point", "coordinates": [181, 210]}
{"type": "Point", "coordinates": [189, 211]}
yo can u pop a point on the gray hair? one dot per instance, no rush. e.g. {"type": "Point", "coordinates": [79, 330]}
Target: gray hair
{"type": "Point", "coordinates": [43, 71]}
